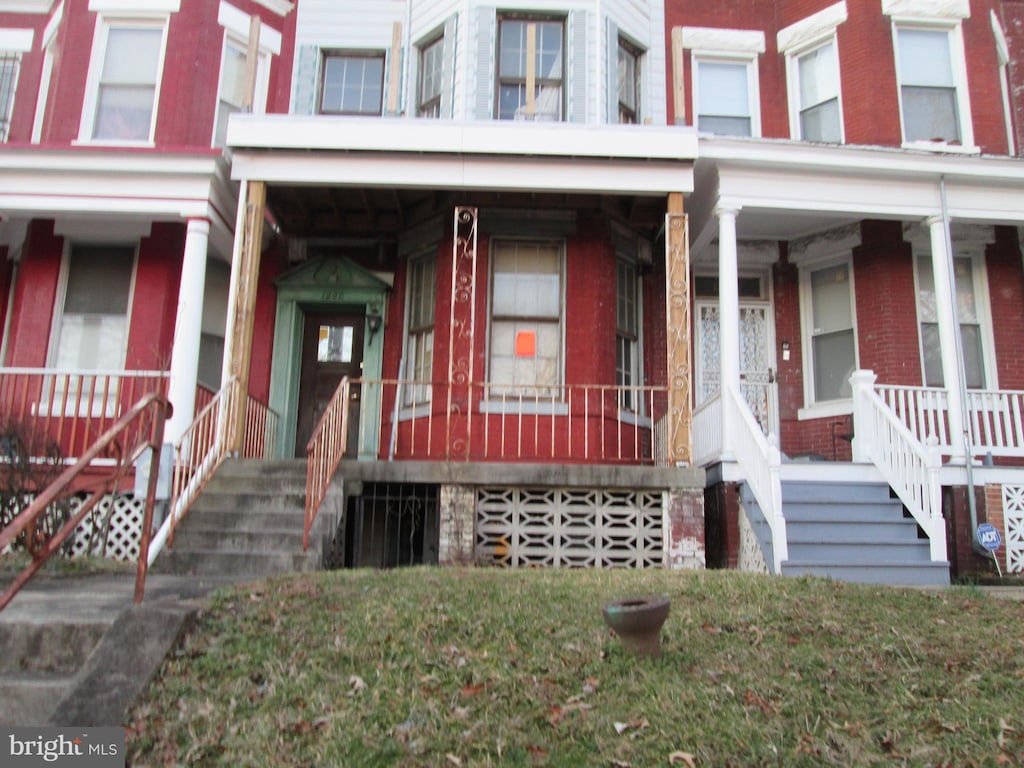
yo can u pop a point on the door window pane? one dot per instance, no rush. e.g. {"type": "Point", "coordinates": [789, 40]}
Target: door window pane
{"type": "Point", "coordinates": [334, 344]}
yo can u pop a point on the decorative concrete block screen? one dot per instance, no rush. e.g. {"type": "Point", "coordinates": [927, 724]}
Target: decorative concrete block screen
{"type": "Point", "coordinates": [574, 528]}
{"type": "Point", "coordinates": [1013, 521]}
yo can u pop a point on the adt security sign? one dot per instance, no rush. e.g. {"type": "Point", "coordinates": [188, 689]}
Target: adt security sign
{"type": "Point", "coordinates": [989, 537]}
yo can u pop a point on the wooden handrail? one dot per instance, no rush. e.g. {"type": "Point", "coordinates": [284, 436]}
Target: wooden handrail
{"type": "Point", "coordinates": [42, 549]}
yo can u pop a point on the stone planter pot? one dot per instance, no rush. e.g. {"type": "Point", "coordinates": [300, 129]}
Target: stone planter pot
{"type": "Point", "coordinates": [637, 621]}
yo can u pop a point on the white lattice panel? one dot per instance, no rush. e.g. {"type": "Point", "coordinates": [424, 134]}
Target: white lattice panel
{"type": "Point", "coordinates": [1013, 522]}
{"type": "Point", "coordinates": [572, 528]}
{"type": "Point", "coordinates": [751, 558]}
{"type": "Point", "coordinates": [122, 524]}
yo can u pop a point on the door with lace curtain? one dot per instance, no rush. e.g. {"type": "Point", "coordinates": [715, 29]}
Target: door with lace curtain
{"type": "Point", "coordinates": [757, 359]}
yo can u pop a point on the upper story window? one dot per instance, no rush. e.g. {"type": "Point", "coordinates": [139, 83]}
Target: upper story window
{"type": "Point", "coordinates": [629, 82]}
{"type": "Point", "coordinates": [815, 86]}
{"type": "Point", "coordinates": [726, 95]}
{"type": "Point", "coordinates": [531, 69]}
{"type": "Point", "coordinates": [812, 65]}
{"type": "Point", "coordinates": [431, 79]}
{"type": "Point", "coordinates": [930, 97]}
{"type": "Point", "coordinates": [243, 84]}
{"type": "Point", "coordinates": [8, 82]}
{"type": "Point", "coordinates": [352, 83]}
{"type": "Point", "coordinates": [124, 81]}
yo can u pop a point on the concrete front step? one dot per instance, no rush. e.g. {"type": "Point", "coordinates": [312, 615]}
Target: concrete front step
{"type": "Point", "coordinates": [894, 573]}
{"type": "Point", "coordinates": [220, 500]}
{"type": "Point", "coordinates": [29, 698]}
{"type": "Point", "coordinates": [215, 562]}
{"type": "Point", "coordinates": [240, 539]}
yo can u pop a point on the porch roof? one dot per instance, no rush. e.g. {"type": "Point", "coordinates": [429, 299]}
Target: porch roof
{"type": "Point", "coordinates": [785, 190]}
{"type": "Point", "coordinates": [454, 156]}
{"type": "Point", "coordinates": [108, 189]}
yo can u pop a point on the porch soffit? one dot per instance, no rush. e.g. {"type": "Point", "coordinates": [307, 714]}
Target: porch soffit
{"type": "Point", "coordinates": [785, 190]}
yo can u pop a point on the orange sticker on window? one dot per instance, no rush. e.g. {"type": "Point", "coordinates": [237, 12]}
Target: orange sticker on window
{"type": "Point", "coordinates": [526, 344]}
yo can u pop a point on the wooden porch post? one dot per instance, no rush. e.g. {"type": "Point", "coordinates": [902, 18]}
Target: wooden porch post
{"type": "Point", "coordinates": [677, 318]}
{"type": "Point", "coordinates": [246, 271]}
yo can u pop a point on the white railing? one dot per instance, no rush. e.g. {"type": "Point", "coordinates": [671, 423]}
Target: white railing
{"type": "Point", "coordinates": [909, 467]}
{"type": "Point", "coordinates": [707, 430]}
{"type": "Point", "coordinates": [204, 446]}
{"type": "Point", "coordinates": [922, 410]}
{"type": "Point", "coordinates": [759, 461]}
{"type": "Point", "coordinates": [489, 422]}
{"type": "Point", "coordinates": [996, 422]}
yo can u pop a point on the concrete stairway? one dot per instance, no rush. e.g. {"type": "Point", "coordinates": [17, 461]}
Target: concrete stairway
{"type": "Point", "coordinates": [854, 531]}
{"type": "Point", "coordinates": [247, 524]}
{"type": "Point", "coordinates": [39, 662]}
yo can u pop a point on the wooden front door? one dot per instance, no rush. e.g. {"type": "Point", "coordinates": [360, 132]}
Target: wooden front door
{"type": "Point", "coordinates": [332, 347]}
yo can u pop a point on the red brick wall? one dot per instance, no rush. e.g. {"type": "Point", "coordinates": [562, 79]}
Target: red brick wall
{"type": "Point", "coordinates": [1006, 297]}
{"type": "Point", "coordinates": [886, 301]}
{"type": "Point", "coordinates": [190, 78]}
{"type": "Point", "coordinates": [31, 66]}
{"type": "Point", "coordinates": [867, 65]}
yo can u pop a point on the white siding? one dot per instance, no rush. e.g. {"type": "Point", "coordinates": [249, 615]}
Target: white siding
{"type": "Point", "coordinates": [359, 24]}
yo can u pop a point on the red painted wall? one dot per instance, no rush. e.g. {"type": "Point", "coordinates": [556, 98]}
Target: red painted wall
{"type": "Point", "coordinates": [867, 65]}
{"type": "Point", "coordinates": [154, 304]}
{"type": "Point", "coordinates": [188, 88]}
{"type": "Point", "coordinates": [34, 295]}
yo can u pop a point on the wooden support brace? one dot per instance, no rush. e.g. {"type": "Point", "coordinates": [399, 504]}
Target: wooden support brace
{"type": "Point", "coordinates": [677, 319]}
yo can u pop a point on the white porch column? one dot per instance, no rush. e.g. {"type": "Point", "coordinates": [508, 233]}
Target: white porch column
{"type": "Point", "coordinates": [948, 340]}
{"type": "Point", "coordinates": [728, 314]}
{"type": "Point", "coordinates": [187, 330]}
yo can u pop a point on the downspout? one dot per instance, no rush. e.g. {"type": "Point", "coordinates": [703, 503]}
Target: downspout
{"type": "Point", "coordinates": [961, 375]}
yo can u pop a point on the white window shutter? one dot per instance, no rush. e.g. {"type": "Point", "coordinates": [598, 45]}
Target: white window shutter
{"type": "Point", "coordinates": [448, 68]}
{"type": "Point", "coordinates": [304, 90]}
{"type": "Point", "coordinates": [612, 63]}
{"type": "Point", "coordinates": [486, 31]}
{"type": "Point", "coordinates": [577, 91]}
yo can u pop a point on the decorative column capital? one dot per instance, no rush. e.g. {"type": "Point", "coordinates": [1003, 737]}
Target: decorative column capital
{"type": "Point", "coordinates": [727, 209]}
{"type": "Point", "coordinates": [931, 221]}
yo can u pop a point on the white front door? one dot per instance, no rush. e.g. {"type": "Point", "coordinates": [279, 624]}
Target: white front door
{"type": "Point", "coordinates": [757, 359]}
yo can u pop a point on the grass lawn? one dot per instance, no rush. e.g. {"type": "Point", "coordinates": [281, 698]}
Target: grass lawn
{"type": "Point", "coordinates": [448, 667]}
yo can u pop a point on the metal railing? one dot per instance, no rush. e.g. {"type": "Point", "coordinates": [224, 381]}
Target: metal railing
{"type": "Point", "coordinates": [585, 423]}
{"type": "Point", "coordinates": [324, 452]}
{"type": "Point", "coordinates": [759, 460]}
{"type": "Point", "coordinates": [72, 408]}
{"type": "Point", "coordinates": [139, 430]}
{"type": "Point", "coordinates": [204, 446]}
{"type": "Point", "coordinates": [910, 467]}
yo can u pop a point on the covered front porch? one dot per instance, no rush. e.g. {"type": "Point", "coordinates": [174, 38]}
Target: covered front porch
{"type": "Point", "coordinates": [887, 274]}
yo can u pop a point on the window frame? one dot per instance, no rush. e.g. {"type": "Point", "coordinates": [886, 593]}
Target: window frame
{"type": "Point", "coordinates": [501, 80]}
{"type": "Point", "coordinates": [953, 30]}
{"type": "Point", "coordinates": [813, 407]}
{"type": "Point", "coordinates": [796, 106]}
{"type": "Point", "coordinates": [326, 54]}
{"type": "Point", "coordinates": [101, 39]}
{"type": "Point", "coordinates": [416, 400]}
{"type": "Point", "coordinates": [259, 102]}
{"type": "Point", "coordinates": [980, 290]}
{"type": "Point", "coordinates": [506, 397]}
{"type": "Point", "coordinates": [13, 58]}
{"type": "Point", "coordinates": [634, 339]}
{"type": "Point", "coordinates": [750, 63]}
{"type": "Point", "coordinates": [434, 43]}
{"type": "Point", "coordinates": [636, 54]}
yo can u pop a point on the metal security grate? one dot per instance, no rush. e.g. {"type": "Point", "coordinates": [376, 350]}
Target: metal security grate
{"type": "Point", "coordinates": [392, 524]}
{"type": "Point", "coordinates": [574, 528]}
